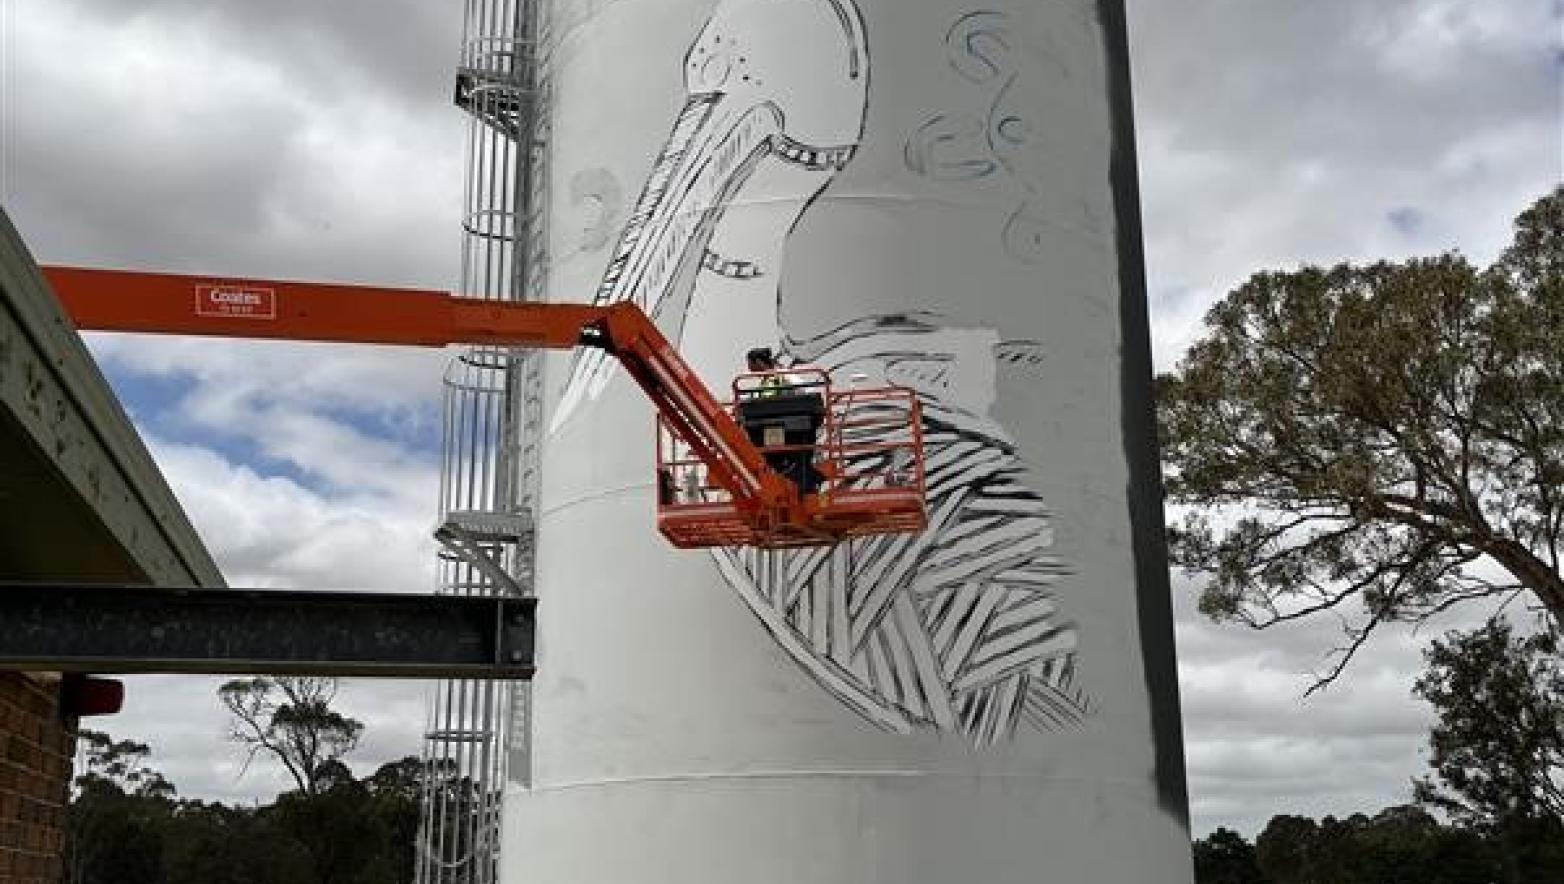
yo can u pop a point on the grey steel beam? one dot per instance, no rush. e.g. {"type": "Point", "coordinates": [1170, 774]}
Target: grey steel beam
{"type": "Point", "coordinates": [136, 629]}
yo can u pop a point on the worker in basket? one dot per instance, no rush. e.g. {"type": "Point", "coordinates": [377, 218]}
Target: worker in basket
{"type": "Point", "coordinates": [762, 361]}
{"type": "Point", "coordinates": [782, 417]}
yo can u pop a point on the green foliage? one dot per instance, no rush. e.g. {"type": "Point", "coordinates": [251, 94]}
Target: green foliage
{"type": "Point", "coordinates": [1370, 433]}
{"type": "Point", "coordinates": [129, 828]}
{"type": "Point", "coordinates": [118, 804]}
{"type": "Point", "coordinates": [349, 837]}
{"type": "Point", "coordinates": [1498, 747]}
{"type": "Point", "coordinates": [349, 832]}
{"type": "Point", "coordinates": [1226, 858]}
{"type": "Point", "coordinates": [1399, 845]}
{"type": "Point", "coordinates": [206, 843]}
{"type": "Point", "coordinates": [114, 835]}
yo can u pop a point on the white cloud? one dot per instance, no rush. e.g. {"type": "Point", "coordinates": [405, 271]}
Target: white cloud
{"type": "Point", "coordinates": [296, 140]}
{"type": "Point", "coordinates": [360, 420]}
{"type": "Point", "coordinates": [269, 531]}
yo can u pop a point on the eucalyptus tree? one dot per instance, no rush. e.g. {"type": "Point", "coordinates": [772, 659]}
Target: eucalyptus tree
{"type": "Point", "coordinates": [1384, 441]}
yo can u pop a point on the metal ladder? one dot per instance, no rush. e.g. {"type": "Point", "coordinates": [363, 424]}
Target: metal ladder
{"type": "Point", "coordinates": [478, 733]}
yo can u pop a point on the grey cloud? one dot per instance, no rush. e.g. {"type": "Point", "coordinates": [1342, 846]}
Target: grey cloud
{"type": "Point", "coordinates": [1274, 133]}
{"type": "Point", "coordinates": [150, 195]}
{"type": "Point", "coordinates": [1257, 746]}
{"type": "Point", "coordinates": [207, 141]}
{"type": "Point", "coordinates": [405, 48]}
{"type": "Point", "coordinates": [1363, 707]}
{"type": "Point", "coordinates": [1341, 79]}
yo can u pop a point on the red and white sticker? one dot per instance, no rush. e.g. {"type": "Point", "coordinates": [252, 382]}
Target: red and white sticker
{"type": "Point", "coordinates": [236, 302]}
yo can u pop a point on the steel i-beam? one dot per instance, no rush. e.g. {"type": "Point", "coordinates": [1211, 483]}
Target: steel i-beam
{"type": "Point", "coordinates": [136, 629]}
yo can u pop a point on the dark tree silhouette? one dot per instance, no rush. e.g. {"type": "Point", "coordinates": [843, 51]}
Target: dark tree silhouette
{"type": "Point", "coordinates": [1497, 750]}
{"type": "Point", "coordinates": [127, 827]}
{"type": "Point", "coordinates": [1498, 747]}
{"type": "Point", "coordinates": [291, 719]}
{"type": "Point", "coordinates": [117, 811]}
{"type": "Point", "coordinates": [1398, 845]}
{"type": "Point", "coordinates": [1225, 857]}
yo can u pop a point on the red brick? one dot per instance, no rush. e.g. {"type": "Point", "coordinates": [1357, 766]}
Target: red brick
{"type": "Point", "coordinates": [35, 759]}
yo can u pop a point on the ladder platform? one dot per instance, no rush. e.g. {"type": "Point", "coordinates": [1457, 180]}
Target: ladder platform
{"type": "Point", "coordinates": [484, 526]}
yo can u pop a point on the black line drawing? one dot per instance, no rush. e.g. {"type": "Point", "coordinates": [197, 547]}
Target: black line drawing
{"type": "Point", "coordinates": [952, 147]}
{"type": "Point", "coordinates": [978, 44]}
{"type": "Point", "coordinates": [741, 75]}
{"type": "Point", "coordinates": [1008, 136]}
{"type": "Point", "coordinates": [1028, 355]}
{"type": "Point", "coordinates": [954, 630]}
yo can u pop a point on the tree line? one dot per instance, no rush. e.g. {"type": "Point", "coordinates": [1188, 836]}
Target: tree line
{"type": "Point", "coordinates": [1398, 845]}
{"type": "Point", "coordinates": [128, 824]}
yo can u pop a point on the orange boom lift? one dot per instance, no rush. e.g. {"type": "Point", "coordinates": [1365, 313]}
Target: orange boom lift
{"type": "Point", "coordinates": [717, 480]}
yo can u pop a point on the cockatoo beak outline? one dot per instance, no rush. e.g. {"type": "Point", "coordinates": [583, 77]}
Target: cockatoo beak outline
{"type": "Point", "coordinates": [753, 93]}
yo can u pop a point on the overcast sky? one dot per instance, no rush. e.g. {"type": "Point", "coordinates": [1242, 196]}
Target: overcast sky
{"type": "Point", "coordinates": [317, 140]}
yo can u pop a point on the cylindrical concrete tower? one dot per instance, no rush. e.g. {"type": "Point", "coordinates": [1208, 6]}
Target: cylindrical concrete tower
{"type": "Point", "coordinates": [919, 192]}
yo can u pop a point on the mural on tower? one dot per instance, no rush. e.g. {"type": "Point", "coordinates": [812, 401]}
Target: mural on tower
{"type": "Point", "coordinates": [1006, 140]}
{"type": "Point", "coordinates": [957, 629]}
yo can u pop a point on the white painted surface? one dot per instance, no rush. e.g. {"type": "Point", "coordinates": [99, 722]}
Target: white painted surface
{"type": "Point", "coordinates": [684, 731]}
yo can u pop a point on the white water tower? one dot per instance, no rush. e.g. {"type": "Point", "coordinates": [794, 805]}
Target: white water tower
{"type": "Point", "coordinates": [926, 193]}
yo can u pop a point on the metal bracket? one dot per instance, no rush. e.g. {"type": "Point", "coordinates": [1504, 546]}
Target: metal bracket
{"type": "Point", "coordinates": [502, 101]}
{"type": "Point", "coordinates": [470, 534]}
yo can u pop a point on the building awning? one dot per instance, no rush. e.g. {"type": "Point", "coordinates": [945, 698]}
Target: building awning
{"type": "Point", "coordinates": [81, 499]}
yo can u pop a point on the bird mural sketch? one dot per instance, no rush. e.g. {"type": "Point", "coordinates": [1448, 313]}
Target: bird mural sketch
{"type": "Point", "coordinates": [957, 629]}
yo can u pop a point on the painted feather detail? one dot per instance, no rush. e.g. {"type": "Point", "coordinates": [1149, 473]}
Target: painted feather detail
{"type": "Point", "coordinates": [955, 629]}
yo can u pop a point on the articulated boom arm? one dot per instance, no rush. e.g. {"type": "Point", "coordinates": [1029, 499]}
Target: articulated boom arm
{"type": "Point", "coordinates": [115, 300]}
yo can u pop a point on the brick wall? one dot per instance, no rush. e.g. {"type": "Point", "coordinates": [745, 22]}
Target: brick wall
{"type": "Point", "coordinates": [35, 770]}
